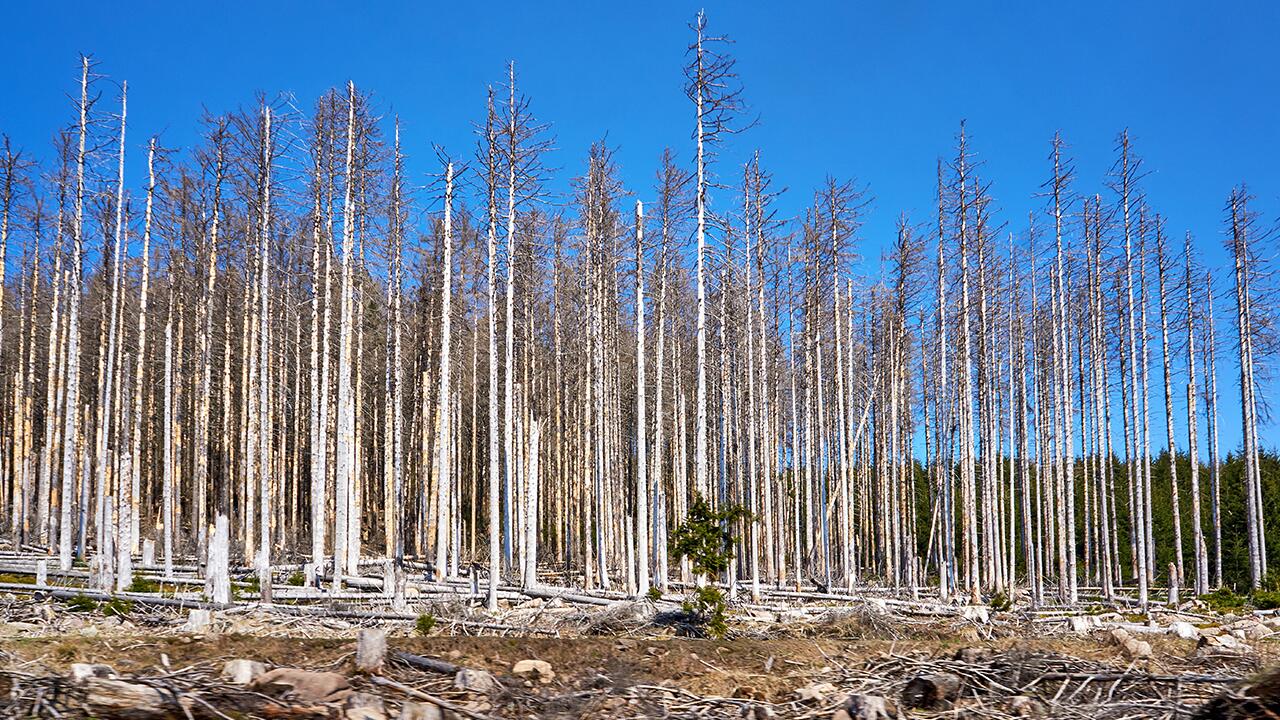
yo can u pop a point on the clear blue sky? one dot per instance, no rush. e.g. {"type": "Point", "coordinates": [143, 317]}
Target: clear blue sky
{"type": "Point", "coordinates": [859, 89]}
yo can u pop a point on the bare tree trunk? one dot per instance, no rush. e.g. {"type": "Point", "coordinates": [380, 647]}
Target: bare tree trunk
{"type": "Point", "coordinates": [1067, 532]}
{"type": "Point", "coordinates": [509, 348]}
{"type": "Point", "coordinates": [642, 427]}
{"type": "Point", "coordinates": [1241, 253]}
{"type": "Point", "coordinates": [495, 559]}
{"type": "Point", "coordinates": [1211, 409]}
{"type": "Point", "coordinates": [204, 353]}
{"type": "Point", "coordinates": [395, 506]}
{"type": "Point", "coordinates": [970, 510]}
{"type": "Point", "coordinates": [346, 402]}
{"type": "Point", "coordinates": [265, 426]}
{"type": "Point", "coordinates": [444, 413]}
{"type": "Point", "coordinates": [319, 377]}
{"type": "Point", "coordinates": [9, 167]}
{"type": "Point", "coordinates": [700, 200]}
{"type": "Point", "coordinates": [1193, 440]}
{"type": "Point", "coordinates": [135, 484]}
{"type": "Point", "coordinates": [1143, 506]}
{"type": "Point", "coordinates": [104, 476]}
{"type": "Point", "coordinates": [54, 386]}
{"type": "Point", "coordinates": [166, 506]}
{"type": "Point", "coordinates": [1161, 269]}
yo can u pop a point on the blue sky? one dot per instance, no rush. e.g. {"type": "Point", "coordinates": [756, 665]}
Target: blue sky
{"type": "Point", "coordinates": [868, 90]}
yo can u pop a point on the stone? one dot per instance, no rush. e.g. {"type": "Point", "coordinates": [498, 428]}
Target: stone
{"type": "Point", "coordinates": [371, 650]}
{"type": "Point", "coordinates": [241, 671]}
{"type": "Point", "coordinates": [198, 621]}
{"type": "Point", "coordinates": [1184, 630]}
{"type": "Point", "coordinates": [815, 693]}
{"type": "Point", "coordinates": [539, 669]}
{"type": "Point", "coordinates": [1025, 707]}
{"type": "Point", "coordinates": [1221, 644]}
{"type": "Point", "coordinates": [1082, 624]}
{"type": "Point", "coordinates": [476, 681]}
{"type": "Point", "coordinates": [976, 613]}
{"type": "Point", "coordinates": [364, 706]}
{"type": "Point", "coordinates": [81, 672]}
{"type": "Point", "coordinates": [1133, 648]}
{"type": "Point", "coordinates": [1249, 629]}
{"type": "Point", "coordinates": [420, 711]}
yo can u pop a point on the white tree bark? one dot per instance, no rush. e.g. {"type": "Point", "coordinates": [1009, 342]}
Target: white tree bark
{"type": "Point", "coordinates": [495, 559]}
{"type": "Point", "coordinates": [54, 387]}
{"type": "Point", "coordinates": [1166, 363]}
{"type": "Point", "coordinates": [265, 425]}
{"type": "Point", "coordinates": [346, 402]}
{"type": "Point", "coordinates": [508, 388]}
{"type": "Point", "coordinates": [642, 428]}
{"type": "Point", "coordinates": [531, 506]}
{"type": "Point", "coordinates": [103, 476]}
{"type": "Point", "coordinates": [204, 352]}
{"type": "Point", "coordinates": [444, 414]}
{"type": "Point", "coordinates": [1142, 506]}
{"type": "Point", "coordinates": [217, 584]}
{"type": "Point", "coordinates": [139, 371]}
{"type": "Point", "coordinates": [1193, 439]}
{"type": "Point", "coordinates": [319, 445]}
{"type": "Point", "coordinates": [166, 500]}
{"type": "Point", "coordinates": [700, 199]}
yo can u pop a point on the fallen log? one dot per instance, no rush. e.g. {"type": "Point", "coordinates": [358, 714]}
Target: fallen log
{"type": "Point", "coordinates": [63, 593]}
{"type": "Point", "coordinates": [425, 663]}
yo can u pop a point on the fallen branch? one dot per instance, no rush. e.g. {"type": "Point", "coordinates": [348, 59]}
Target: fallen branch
{"type": "Point", "coordinates": [425, 663]}
{"type": "Point", "coordinates": [438, 701]}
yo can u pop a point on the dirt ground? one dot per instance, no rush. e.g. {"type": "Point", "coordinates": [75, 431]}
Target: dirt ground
{"type": "Point", "coordinates": [642, 674]}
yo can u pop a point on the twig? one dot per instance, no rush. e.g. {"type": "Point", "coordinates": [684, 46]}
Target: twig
{"type": "Point", "coordinates": [438, 701]}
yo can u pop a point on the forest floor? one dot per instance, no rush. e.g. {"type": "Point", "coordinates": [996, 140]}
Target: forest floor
{"type": "Point", "coordinates": [69, 657]}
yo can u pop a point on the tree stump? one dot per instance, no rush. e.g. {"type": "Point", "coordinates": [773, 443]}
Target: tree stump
{"type": "Point", "coordinates": [868, 707]}
{"type": "Point", "coordinates": [371, 650]}
{"type": "Point", "coordinates": [217, 582]}
{"type": "Point", "coordinates": [935, 691]}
